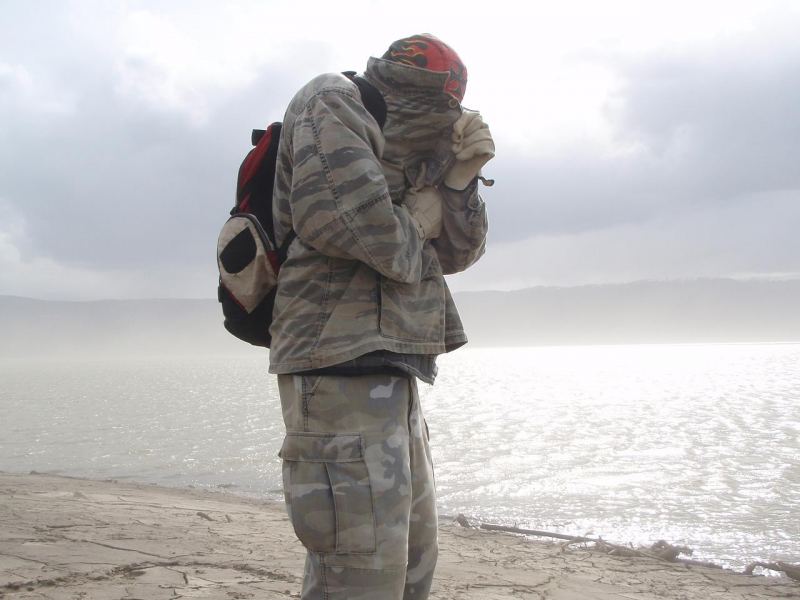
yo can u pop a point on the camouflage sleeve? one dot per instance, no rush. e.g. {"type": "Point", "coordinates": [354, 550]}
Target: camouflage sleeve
{"type": "Point", "coordinates": [464, 225]}
{"type": "Point", "coordinates": [340, 200]}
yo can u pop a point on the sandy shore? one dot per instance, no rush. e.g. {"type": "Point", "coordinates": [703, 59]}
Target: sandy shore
{"type": "Point", "coordinates": [65, 538]}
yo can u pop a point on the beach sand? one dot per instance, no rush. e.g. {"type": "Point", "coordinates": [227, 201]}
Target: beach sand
{"type": "Point", "coordinates": [68, 538]}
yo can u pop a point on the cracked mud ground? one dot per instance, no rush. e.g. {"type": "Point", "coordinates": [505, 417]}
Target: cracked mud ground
{"type": "Point", "coordinates": [64, 538]}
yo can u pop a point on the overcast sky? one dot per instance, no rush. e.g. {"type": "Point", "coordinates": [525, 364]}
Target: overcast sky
{"type": "Point", "coordinates": [635, 140]}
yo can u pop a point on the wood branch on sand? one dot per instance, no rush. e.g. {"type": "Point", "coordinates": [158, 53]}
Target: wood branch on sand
{"type": "Point", "coordinates": [792, 571]}
{"type": "Point", "coordinates": [660, 550]}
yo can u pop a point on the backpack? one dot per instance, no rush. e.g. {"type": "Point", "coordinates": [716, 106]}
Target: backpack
{"type": "Point", "coordinates": [248, 256]}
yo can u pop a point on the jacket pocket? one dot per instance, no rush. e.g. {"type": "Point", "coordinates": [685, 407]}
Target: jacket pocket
{"type": "Point", "coordinates": [328, 492]}
{"type": "Point", "coordinates": [414, 312]}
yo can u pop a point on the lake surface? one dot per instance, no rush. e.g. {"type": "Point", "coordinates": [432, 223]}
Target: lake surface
{"type": "Point", "coordinates": [696, 444]}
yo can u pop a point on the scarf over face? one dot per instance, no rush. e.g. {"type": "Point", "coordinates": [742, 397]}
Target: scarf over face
{"type": "Point", "coordinates": [419, 122]}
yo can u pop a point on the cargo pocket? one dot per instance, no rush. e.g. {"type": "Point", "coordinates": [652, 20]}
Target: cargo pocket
{"type": "Point", "coordinates": [328, 492]}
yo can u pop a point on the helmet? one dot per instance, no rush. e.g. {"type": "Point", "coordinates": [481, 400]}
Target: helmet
{"type": "Point", "coordinates": [426, 51]}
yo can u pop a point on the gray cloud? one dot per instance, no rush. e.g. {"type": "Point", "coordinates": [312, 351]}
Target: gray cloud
{"type": "Point", "coordinates": [94, 177]}
{"type": "Point", "coordinates": [112, 181]}
{"type": "Point", "coordinates": [726, 119]}
{"type": "Point", "coordinates": [756, 237]}
{"type": "Point", "coordinates": [706, 127]}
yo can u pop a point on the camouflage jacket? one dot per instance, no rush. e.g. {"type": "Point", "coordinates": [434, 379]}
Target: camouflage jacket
{"type": "Point", "coordinates": [358, 277]}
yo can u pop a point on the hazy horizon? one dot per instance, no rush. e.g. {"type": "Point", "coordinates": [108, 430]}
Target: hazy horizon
{"type": "Point", "coordinates": [697, 311]}
{"type": "Point", "coordinates": [212, 295]}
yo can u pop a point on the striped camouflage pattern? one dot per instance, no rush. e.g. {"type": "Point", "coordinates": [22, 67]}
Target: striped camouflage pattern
{"type": "Point", "coordinates": [419, 122]}
{"type": "Point", "coordinates": [359, 487]}
{"type": "Point", "coordinates": [358, 278]}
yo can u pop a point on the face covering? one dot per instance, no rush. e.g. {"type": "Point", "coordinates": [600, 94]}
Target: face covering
{"type": "Point", "coordinates": [419, 124]}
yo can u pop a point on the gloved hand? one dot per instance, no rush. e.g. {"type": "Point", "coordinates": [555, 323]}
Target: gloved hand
{"type": "Point", "coordinates": [425, 206]}
{"type": "Point", "coordinates": [473, 147]}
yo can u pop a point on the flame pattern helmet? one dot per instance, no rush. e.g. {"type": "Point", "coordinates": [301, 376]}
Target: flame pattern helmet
{"type": "Point", "coordinates": [426, 51]}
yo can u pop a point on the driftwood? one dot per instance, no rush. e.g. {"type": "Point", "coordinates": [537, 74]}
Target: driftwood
{"type": "Point", "coordinates": [559, 536]}
{"type": "Point", "coordinates": [792, 571]}
{"type": "Point", "coordinates": [661, 550]}
{"type": "Point", "coordinates": [463, 521]}
{"type": "Point", "coordinates": [667, 551]}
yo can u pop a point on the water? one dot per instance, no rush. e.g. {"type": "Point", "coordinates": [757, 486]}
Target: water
{"type": "Point", "coordinates": [695, 444]}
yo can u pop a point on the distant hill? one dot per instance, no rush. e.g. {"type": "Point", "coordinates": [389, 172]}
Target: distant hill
{"type": "Point", "coordinates": [706, 310]}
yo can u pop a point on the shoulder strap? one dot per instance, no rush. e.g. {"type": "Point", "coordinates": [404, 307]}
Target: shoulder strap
{"type": "Point", "coordinates": [285, 245]}
{"type": "Point", "coordinates": [370, 96]}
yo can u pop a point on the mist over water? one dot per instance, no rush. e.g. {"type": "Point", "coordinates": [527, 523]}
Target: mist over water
{"type": "Point", "coordinates": [695, 444]}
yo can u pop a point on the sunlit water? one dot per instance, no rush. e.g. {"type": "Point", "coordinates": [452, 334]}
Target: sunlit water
{"type": "Point", "coordinates": [695, 444]}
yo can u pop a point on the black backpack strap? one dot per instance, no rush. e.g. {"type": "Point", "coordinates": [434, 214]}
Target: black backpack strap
{"type": "Point", "coordinates": [370, 96]}
{"type": "Point", "coordinates": [287, 241]}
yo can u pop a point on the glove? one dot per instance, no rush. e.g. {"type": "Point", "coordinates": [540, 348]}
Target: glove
{"type": "Point", "coordinates": [425, 206]}
{"type": "Point", "coordinates": [473, 146]}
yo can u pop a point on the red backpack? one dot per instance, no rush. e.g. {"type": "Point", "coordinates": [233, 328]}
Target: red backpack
{"type": "Point", "coordinates": [248, 257]}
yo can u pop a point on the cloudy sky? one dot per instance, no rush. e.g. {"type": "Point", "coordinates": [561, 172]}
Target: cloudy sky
{"type": "Point", "coordinates": [636, 140]}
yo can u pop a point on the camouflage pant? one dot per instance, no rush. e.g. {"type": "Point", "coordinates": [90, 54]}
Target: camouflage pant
{"type": "Point", "coordinates": [359, 488]}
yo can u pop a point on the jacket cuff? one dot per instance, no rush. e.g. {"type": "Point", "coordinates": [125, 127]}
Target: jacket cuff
{"type": "Point", "coordinates": [467, 198]}
{"type": "Point", "coordinates": [473, 183]}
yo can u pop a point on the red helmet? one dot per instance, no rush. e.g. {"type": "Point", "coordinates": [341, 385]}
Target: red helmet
{"type": "Point", "coordinates": [429, 52]}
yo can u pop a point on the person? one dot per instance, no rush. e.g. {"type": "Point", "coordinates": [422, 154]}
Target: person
{"type": "Point", "coordinates": [362, 309]}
